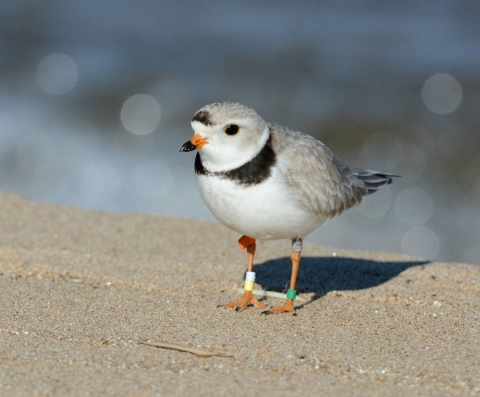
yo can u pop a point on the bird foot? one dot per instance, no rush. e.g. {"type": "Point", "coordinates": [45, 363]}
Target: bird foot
{"type": "Point", "coordinates": [285, 308]}
{"type": "Point", "coordinates": [244, 301]}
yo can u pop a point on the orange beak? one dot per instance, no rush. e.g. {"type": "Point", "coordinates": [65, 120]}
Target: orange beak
{"type": "Point", "coordinates": [197, 142]}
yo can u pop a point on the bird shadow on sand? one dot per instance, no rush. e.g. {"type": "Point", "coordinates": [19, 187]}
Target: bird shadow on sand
{"type": "Point", "coordinates": [321, 275]}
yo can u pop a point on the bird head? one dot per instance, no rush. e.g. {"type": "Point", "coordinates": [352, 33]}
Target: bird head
{"type": "Point", "coordinates": [227, 135]}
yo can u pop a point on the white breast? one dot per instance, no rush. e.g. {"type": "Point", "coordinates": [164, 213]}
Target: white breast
{"type": "Point", "coordinates": [267, 211]}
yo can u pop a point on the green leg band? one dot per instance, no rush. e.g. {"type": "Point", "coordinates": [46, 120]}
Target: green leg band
{"type": "Point", "coordinates": [291, 294]}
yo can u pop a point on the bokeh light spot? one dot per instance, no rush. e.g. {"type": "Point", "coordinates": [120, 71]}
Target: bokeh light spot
{"type": "Point", "coordinates": [140, 114]}
{"type": "Point", "coordinates": [153, 179]}
{"type": "Point", "coordinates": [422, 242]}
{"type": "Point", "coordinates": [413, 206]}
{"type": "Point", "coordinates": [57, 74]}
{"type": "Point", "coordinates": [442, 93]}
{"type": "Point", "coordinates": [373, 207]}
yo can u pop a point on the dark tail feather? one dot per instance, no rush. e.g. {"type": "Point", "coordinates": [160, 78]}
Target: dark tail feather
{"type": "Point", "coordinates": [374, 180]}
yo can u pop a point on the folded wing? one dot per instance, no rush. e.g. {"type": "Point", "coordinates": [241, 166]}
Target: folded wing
{"type": "Point", "coordinates": [324, 184]}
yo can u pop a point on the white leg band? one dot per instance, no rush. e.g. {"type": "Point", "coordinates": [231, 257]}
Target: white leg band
{"type": "Point", "coordinates": [250, 276]}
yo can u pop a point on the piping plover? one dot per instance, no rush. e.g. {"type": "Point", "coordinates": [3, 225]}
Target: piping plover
{"type": "Point", "coordinates": [269, 182]}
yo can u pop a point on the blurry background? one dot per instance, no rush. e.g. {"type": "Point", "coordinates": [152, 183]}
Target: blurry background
{"type": "Point", "coordinates": [96, 99]}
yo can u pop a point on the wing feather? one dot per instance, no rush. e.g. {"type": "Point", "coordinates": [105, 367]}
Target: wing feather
{"type": "Point", "coordinates": [324, 184]}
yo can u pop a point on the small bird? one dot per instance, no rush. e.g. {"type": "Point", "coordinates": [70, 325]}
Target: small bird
{"type": "Point", "coordinates": [269, 182]}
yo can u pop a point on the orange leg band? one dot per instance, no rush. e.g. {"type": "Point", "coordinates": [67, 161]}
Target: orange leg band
{"type": "Point", "coordinates": [245, 241]}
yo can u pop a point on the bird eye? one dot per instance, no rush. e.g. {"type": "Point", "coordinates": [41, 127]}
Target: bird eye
{"type": "Point", "coordinates": [231, 129]}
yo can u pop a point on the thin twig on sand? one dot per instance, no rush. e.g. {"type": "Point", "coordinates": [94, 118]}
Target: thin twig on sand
{"type": "Point", "coordinates": [198, 352]}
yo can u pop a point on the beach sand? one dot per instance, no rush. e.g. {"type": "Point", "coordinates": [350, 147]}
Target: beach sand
{"type": "Point", "coordinates": [79, 289]}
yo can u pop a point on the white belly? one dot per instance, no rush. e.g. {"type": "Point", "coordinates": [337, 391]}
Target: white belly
{"type": "Point", "coordinates": [267, 211]}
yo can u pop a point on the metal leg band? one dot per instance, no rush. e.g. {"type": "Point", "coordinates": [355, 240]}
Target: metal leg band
{"type": "Point", "coordinates": [297, 244]}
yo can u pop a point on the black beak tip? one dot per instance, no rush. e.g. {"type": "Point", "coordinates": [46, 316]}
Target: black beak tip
{"type": "Point", "coordinates": [187, 147]}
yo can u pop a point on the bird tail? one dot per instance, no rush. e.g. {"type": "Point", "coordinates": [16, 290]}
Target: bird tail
{"type": "Point", "coordinates": [374, 180]}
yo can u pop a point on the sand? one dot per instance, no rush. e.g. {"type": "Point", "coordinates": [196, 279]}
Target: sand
{"type": "Point", "coordinates": [79, 289]}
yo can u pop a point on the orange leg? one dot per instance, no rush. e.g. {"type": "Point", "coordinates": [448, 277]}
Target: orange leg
{"type": "Point", "coordinates": [288, 306]}
{"type": "Point", "coordinates": [247, 298]}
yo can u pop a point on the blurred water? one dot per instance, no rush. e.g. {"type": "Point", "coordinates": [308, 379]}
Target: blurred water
{"type": "Point", "coordinates": [97, 97]}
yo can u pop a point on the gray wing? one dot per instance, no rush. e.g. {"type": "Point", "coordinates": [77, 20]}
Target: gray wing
{"type": "Point", "coordinates": [324, 184]}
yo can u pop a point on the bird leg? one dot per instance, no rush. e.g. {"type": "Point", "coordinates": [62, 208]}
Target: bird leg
{"type": "Point", "coordinates": [247, 298]}
{"type": "Point", "coordinates": [287, 307]}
